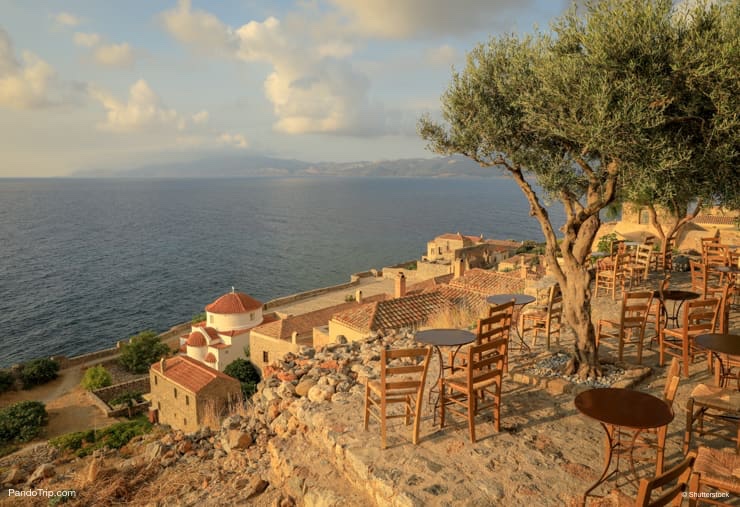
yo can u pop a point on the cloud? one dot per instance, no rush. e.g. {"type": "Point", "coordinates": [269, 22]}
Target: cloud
{"type": "Point", "coordinates": [442, 55]}
{"type": "Point", "coordinates": [143, 110]}
{"type": "Point", "coordinates": [22, 85]}
{"type": "Point", "coordinates": [391, 19]}
{"type": "Point", "coordinates": [114, 55]}
{"type": "Point", "coordinates": [234, 140]}
{"type": "Point", "coordinates": [200, 117]}
{"type": "Point", "coordinates": [67, 19]}
{"type": "Point", "coordinates": [197, 28]}
{"type": "Point", "coordinates": [87, 40]}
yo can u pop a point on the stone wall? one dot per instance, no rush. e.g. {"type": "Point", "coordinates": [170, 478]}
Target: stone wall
{"type": "Point", "coordinates": [101, 397]}
{"type": "Point", "coordinates": [354, 281]}
{"type": "Point", "coordinates": [176, 406]}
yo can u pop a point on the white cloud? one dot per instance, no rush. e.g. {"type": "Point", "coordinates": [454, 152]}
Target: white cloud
{"type": "Point", "coordinates": [144, 109]}
{"type": "Point", "coordinates": [67, 19]}
{"type": "Point", "coordinates": [200, 117]}
{"type": "Point", "coordinates": [395, 19]}
{"type": "Point", "coordinates": [235, 140]}
{"type": "Point", "coordinates": [200, 29]}
{"type": "Point", "coordinates": [87, 40]}
{"type": "Point", "coordinates": [22, 85]}
{"type": "Point", "coordinates": [114, 55]}
{"type": "Point", "coordinates": [442, 55]}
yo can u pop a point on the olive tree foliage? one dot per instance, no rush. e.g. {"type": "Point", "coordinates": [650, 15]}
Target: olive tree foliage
{"type": "Point", "coordinates": [627, 98]}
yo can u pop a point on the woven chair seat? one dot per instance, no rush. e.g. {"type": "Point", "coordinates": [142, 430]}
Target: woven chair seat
{"type": "Point", "coordinates": [719, 469]}
{"type": "Point", "coordinates": [727, 400]}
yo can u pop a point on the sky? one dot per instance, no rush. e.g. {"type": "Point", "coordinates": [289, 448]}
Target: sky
{"type": "Point", "coordinates": [89, 84]}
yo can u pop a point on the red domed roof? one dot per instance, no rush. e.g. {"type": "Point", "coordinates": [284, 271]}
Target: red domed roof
{"type": "Point", "coordinates": [196, 340]}
{"type": "Point", "coordinates": [210, 358]}
{"type": "Point", "coordinates": [234, 302]}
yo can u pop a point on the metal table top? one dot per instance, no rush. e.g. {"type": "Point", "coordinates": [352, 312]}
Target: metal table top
{"type": "Point", "coordinates": [723, 343]}
{"type": "Point", "coordinates": [624, 407]}
{"type": "Point", "coordinates": [445, 337]}
{"type": "Point", "coordinates": [519, 299]}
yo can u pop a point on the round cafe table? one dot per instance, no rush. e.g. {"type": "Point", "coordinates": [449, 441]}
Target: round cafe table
{"type": "Point", "coordinates": [520, 300]}
{"type": "Point", "coordinates": [615, 408]}
{"type": "Point", "coordinates": [719, 344]}
{"type": "Point", "coordinates": [678, 297]}
{"type": "Point", "coordinates": [443, 338]}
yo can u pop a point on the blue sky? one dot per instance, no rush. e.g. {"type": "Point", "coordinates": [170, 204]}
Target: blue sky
{"type": "Point", "coordinates": [95, 84]}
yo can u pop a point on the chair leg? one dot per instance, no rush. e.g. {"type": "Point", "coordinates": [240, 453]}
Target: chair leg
{"type": "Point", "coordinates": [382, 424]}
{"type": "Point", "coordinates": [441, 404]}
{"type": "Point", "coordinates": [689, 424]}
{"type": "Point", "coordinates": [497, 407]}
{"type": "Point", "coordinates": [685, 348]}
{"type": "Point", "coordinates": [661, 450]}
{"type": "Point", "coordinates": [661, 347]}
{"type": "Point", "coordinates": [472, 404]}
{"type": "Point", "coordinates": [367, 405]}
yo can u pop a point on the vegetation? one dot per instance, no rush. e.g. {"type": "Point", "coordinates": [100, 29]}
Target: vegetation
{"type": "Point", "coordinates": [6, 380]}
{"type": "Point", "coordinates": [198, 317]}
{"type": "Point", "coordinates": [22, 421]}
{"type": "Point", "coordinates": [245, 372]}
{"type": "Point", "coordinates": [142, 351]}
{"type": "Point", "coordinates": [629, 101]}
{"type": "Point", "coordinates": [96, 377]}
{"type": "Point", "coordinates": [116, 436]}
{"type": "Point", "coordinates": [127, 399]}
{"type": "Point", "coordinates": [39, 371]}
{"type": "Point", "coordinates": [605, 242]}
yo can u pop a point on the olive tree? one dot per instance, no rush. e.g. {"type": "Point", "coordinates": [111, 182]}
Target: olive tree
{"type": "Point", "coordinates": [605, 104]}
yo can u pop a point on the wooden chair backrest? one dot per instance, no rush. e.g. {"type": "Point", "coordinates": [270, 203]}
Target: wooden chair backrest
{"type": "Point", "coordinates": [617, 247]}
{"type": "Point", "coordinates": [497, 324]}
{"type": "Point", "coordinates": [620, 263]}
{"type": "Point", "coordinates": [724, 294]}
{"type": "Point", "coordinates": [487, 361]}
{"type": "Point", "coordinates": [715, 254]}
{"type": "Point", "coordinates": [669, 494]}
{"type": "Point", "coordinates": [555, 302]}
{"type": "Point", "coordinates": [650, 241]}
{"type": "Point", "coordinates": [700, 316]}
{"type": "Point", "coordinates": [699, 280]}
{"type": "Point", "coordinates": [671, 381]}
{"type": "Point", "coordinates": [410, 374]}
{"type": "Point", "coordinates": [635, 308]}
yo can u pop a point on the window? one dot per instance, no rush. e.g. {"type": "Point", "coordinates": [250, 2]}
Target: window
{"type": "Point", "coordinates": [644, 216]}
{"type": "Point", "coordinates": [175, 390]}
{"type": "Point", "coordinates": [184, 422]}
{"type": "Point", "coordinates": [155, 380]}
{"type": "Point", "coordinates": [159, 406]}
{"type": "Point", "coordinates": [251, 316]}
{"type": "Point", "coordinates": [210, 319]}
{"type": "Point", "coordinates": [265, 357]}
{"type": "Point", "coordinates": [187, 400]}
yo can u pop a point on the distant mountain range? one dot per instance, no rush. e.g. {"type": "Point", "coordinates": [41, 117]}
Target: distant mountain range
{"type": "Point", "coordinates": [251, 166]}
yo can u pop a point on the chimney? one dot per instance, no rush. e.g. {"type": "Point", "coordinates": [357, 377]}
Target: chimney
{"type": "Point", "coordinates": [162, 364]}
{"type": "Point", "coordinates": [400, 285]}
{"type": "Point", "coordinates": [294, 337]}
{"type": "Point", "coordinates": [358, 296]}
{"type": "Point", "coordinates": [523, 270]}
{"type": "Point", "coordinates": [459, 268]}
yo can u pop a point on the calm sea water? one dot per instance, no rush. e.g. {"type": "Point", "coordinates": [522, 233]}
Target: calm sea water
{"type": "Point", "coordinates": [84, 263]}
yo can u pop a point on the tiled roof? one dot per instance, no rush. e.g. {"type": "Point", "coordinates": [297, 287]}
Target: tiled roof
{"type": "Point", "coordinates": [714, 220]}
{"type": "Point", "coordinates": [393, 313]}
{"type": "Point", "coordinates": [234, 302]}
{"type": "Point", "coordinates": [461, 298]}
{"type": "Point", "coordinates": [302, 324]}
{"type": "Point", "coordinates": [486, 283]}
{"type": "Point", "coordinates": [212, 333]}
{"type": "Point", "coordinates": [196, 339]}
{"type": "Point", "coordinates": [429, 284]}
{"type": "Point", "coordinates": [458, 236]}
{"type": "Point", "coordinates": [190, 374]}
{"type": "Point", "coordinates": [210, 358]}
{"type": "Point", "coordinates": [220, 345]}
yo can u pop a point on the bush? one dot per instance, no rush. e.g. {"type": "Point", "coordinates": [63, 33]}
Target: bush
{"type": "Point", "coordinates": [6, 380]}
{"type": "Point", "coordinates": [39, 371]}
{"type": "Point", "coordinates": [142, 351]}
{"type": "Point", "coordinates": [198, 317]}
{"type": "Point", "coordinates": [115, 437]}
{"type": "Point", "coordinates": [22, 421]}
{"type": "Point", "coordinates": [243, 371]}
{"type": "Point", "coordinates": [96, 377]}
{"type": "Point", "coordinates": [605, 242]}
{"type": "Point", "coordinates": [248, 389]}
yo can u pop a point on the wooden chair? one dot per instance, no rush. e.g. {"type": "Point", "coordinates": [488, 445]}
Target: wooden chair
{"type": "Point", "coordinates": [547, 319]}
{"type": "Point", "coordinates": [699, 317]}
{"type": "Point", "coordinates": [496, 325]}
{"type": "Point", "coordinates": [631, 325]}
{"type": "Point", "coordinates": [616, 275]}
{"type": "Point", "coordinates": [478, 387]}
{"type": "Point", "coordinates": [718, 404]}
{"type": "Point", "coordinates": [402, 376]}
{"type": "Point", "coordinates": [672, 379]}
{"type": "Point", "coordinates": [715, 469]}
{"type": "Point", "coordinates": [666, 494]}
{"type": "Point", "coordinates": [661, 263]}
{"type": "Point", "coordinates": [639, 267]}
{"type": "Point", "coordinates": [715, 255]}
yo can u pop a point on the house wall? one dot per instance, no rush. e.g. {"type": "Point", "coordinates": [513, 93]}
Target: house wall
{"type": "Point", "coordinates": [337, 328]}
{"type": "Point", "coordinates": [275, 349]}
{"type": "Point", "coordinates": [214, 399]}
{"type": "Point", "coordinates": [178, 411]}
{"type": "Point", "coordinates": [229, 321]}
{"type": "Point", "coordinates": [321, 337]}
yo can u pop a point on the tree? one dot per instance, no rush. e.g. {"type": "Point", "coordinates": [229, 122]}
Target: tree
{"type": "Point", "coordinates": [142, 351]}
{"type": "Point", "coordinates": [22, 421]}
{"type": "Point", "coordinates": [39, 371]}
{"type": "Point", "coordinates": [96, 377]}
{"type": "Point", "coordinates": [245, 372]}
{"type": "Point", "coordinates": [631, 98]}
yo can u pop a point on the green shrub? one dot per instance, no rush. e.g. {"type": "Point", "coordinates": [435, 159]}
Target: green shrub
{"type": "Point", "coordinates": [248, 389]}
{"type": "Point", "coordinates": [127, 398]}
{"type": "Point", "coordinates": [116, 436]}
{"type": "Point", "coordinates": [96, 377]}
{"type": "Point", "coordinates": [39, 371]}
{"type": "Point", "coordinates": [142, 351]}
{"type": "Point", "coordinates": [242, 370]}
{"type": "Point", "coordinates": [198, 317]}
{"type": "Point", "coordinates": [6, 380]}
{"type": "Point", "coordinates": [605, 242]}
{"type": "Point", "coordinates": [22, 421]}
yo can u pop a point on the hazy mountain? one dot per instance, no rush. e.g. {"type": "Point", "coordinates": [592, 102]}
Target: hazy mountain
{"type": "Point", "coordinates": [244, 166]}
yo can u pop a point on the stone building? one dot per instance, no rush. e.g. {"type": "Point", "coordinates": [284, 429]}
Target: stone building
{"type": "Point", "coordinates": [188, 394]}
{"type": "Point", "coordinates": [222, 337]}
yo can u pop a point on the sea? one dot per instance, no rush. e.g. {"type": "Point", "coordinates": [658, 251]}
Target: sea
{"type": "Point", "coordinates": [87, 262]}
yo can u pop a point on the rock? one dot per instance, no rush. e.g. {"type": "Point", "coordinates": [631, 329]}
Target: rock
{"type": "Point", "coordinates": [184, 446]}
{"type": "Point", "coordinates": [319, 393]}
{"type": "Point", "coordinates": [256, 486]}
{"type": "Point", "coordinates": [237, 439]}
{"type": "Point", "coordinates": [231, 422]}
{"type": "Point", "coordinates": [167, 439]}
{"type": "Point", "coordinates": [14, 476]}
{"type": "Point", "coordinates": [286, 390]}
{"type": "Point", "coordinates": [304, 386]}
{"type": "Point", "coordinates": [42, 472]}
{"type": "Point", "coordinates": [153, 451]}
{"type": "Point", "coordinates": [92, 471]}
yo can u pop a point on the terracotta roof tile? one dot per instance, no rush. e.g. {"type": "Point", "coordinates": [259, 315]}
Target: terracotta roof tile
{"type": "Point", "coordinates": [190, 374]}
{"type": "Point", "coordinates": [234, 302]}
{"type": "Point", "coordinates": [212, 333]}
{"type": "Point", "coordinates": [196, 339]}
{"type": "Point", "coordinates": [714, 220]}
{"type": "Point", "coordinates": [461, 298]}
{"type": "Point", "coordinates": [210, 358]}
{"type": "Point", "coordinates": [394, 313]}
{"type": "Point", "coordinates": [429, 283]}
{"type": "Point", "coordinates": [486, 283]}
